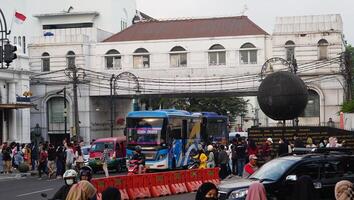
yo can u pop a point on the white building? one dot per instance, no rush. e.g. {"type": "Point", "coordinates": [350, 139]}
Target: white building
{"type": "Point", "coordinates": [316, 42]}
{"type": "Point", "coordinates": [71, 22]}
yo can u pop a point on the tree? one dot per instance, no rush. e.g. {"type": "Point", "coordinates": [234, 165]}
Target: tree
{"type": "Point", "coordinates": [233, 106]}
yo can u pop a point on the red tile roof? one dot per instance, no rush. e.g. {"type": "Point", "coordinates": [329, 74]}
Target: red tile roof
{"type": "Point", "coordinates": [189, 28]}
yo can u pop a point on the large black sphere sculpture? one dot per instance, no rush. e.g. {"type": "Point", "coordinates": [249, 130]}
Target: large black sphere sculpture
{"type": "Point", "coordinates": [282, 96]}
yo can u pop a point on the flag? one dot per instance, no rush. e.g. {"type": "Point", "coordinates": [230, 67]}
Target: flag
{"type": "Point", "coordinates": [19, 17]}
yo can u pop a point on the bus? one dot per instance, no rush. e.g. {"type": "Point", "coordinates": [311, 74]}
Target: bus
{"type": "Point", "coordinates": [167, 137]}
{"type": "Point", "coordinates": [214, 127]}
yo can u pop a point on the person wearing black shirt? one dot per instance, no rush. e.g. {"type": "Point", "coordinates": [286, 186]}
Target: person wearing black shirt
{"type": "Point", "coordinates": [138, 155]}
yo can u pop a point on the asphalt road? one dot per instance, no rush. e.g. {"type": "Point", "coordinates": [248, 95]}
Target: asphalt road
{"type": "Point", "coordinates": [15, 187]}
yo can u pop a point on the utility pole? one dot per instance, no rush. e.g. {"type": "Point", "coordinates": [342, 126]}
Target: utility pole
{"type": "Point", "coordinates": [76, 109]}
{"type": "Point", "coordinates": [65, 116]}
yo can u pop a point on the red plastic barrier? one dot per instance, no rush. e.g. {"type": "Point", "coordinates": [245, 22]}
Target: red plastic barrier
{"type": "Point", "coordinates": [120, 182]}
{"type": "Point", "coordinates": [212, 175]}
{"type": "Point", "coordinates": [159, 184]}
{"type": "Point", "coordinates": [138, 186]}
{"type": "Point", "coordinates": [178, 182]}
{"type": "Point", "coordinates": [101, 183]}
{"type": "Point", "coordinates": [194, 178]}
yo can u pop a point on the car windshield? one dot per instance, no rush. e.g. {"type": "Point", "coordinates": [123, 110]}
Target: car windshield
{"type": "Point", "coordinates": [273, 170]}
{"type": "Point", "coordinates": [99, 146]}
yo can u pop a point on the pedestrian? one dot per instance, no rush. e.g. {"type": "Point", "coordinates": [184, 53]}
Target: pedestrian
{"type": "Point", "coordinates": [256, 191]}
{"type": "Point", "coordinates": [79, 159]}
{"type": "Point", "coordinates": [267, 150]}
{"type": "Point", "coordinates": [223, 159]}
{"type": "Point", "coordinates": [250, 167]}
{"type": "Point", "coordinates": [211, 159]}
{"type": "Point", "coordinates": [207, 191]}
{"type": "Point", "coordinates": [1, 159]}
{"type": "Point", "coordinates": [203, 158]}
{"type": "Point", "coordinates": [297, 143]}
{"type": "Point", "coordinates": [105, 159]}
{"type": "Point", "coordinates": [323, 143]}
{"type": "Point", "coordinates": [60, 161]}
{"type": "Point", "coordinates": [43, 160]}
{"type": "Point", "coordinates": [51, 160]}
{"type": "Point", "coordinates": [34, 156]}
{"type": "Point", "coordinates": [234, 156]}
{"type": "Point", "coordinates": [310, 143]}
{"type": "Point", "coordinates": [241, 156]}
{"type": "Point", "coordinates": [70, 178]}
{"type": "Point", "coordinates": [17, 156]}
{"type": "Point", "coordinates": [111, 193]}
{"type": "Point", "coordinates": [304, 189]}
{"type": "Point", "coordinates": [344, 190]}
{"type": "Point", "coordinates": [83, 190]}
{"type": "Point", "coordinates": [283, 147]}
{"type": "Point", "coordinates": [27, 155]}
{"type": "Point", "coordinates": [6, 157]}
{"type": "Point", "coordinates": [69, 158]}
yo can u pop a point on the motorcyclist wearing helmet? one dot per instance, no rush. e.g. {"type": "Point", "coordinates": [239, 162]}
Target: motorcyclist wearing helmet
{"type": "Point", "coordinates": [86, 173]}
{"type": "Point", "coordinates": [70, 178]}
{"type": "Point", "coordinates": [140, 157]}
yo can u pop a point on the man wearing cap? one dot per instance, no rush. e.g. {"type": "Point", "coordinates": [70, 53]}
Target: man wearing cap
{"type": "Point", "coordinates": [250, 167]}
{"type": "Point", "coordinates": [267, 149]}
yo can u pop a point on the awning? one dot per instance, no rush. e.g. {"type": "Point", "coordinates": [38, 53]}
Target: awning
{"type": "Point", "coordinates": [15, 106]}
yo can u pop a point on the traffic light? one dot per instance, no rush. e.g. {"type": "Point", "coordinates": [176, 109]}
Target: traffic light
{"type": "Point", "coordinates": [9, 53]}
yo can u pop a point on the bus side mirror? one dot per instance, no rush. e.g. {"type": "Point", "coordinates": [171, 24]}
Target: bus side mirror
{"type": "Point", "coordinates": [125, 131]}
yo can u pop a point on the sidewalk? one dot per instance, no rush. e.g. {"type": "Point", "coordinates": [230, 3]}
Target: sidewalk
{"type": "Point", "coordinates": [17, 174]}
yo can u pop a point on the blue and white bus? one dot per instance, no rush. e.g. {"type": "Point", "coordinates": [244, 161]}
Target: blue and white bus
{"type": "Point", "coordinates": [167, 137]}
{"type": "Point", "coordinates": [213, 127]}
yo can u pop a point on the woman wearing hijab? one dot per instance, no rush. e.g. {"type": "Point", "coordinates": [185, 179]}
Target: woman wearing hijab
{"type": "Point", "coordinates": [344, 190]}
{"type": "Point", "coordinates": [83, 190]}
{"type": "Point", "coordinates": [304, 189]}
{"type": "Point", "coordinates": [207, 191]}
{"type": "Point", "coordinates": [256, 191]}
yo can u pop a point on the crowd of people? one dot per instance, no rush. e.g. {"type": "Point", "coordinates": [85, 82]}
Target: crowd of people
{"type": "Point", "coordinates": [44, 157]}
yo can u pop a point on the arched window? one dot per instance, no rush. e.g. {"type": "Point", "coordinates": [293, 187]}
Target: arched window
{"type": "Point", "coordinates": [313, 105]}
{"type": "Point", "coordinates": [70, 59]}
{"type": "Point", "coordinates": [15, 40]}
{"type": "Point", "coordinates": [248, 54]}
{"type": "Point", "coordinates": [217, 55]}
{"type": "Point", "coordinates": [113, 59]}
{"type": "Point", "coordinates": [45, 62]}
{"type": "Point", "coordinates": [141, 59]}
{"type": "Point", "coordinates": [178, 57]}
{"type": "Point", "coordinates": [322, 49]}
{"type": "Point", "coordinates": [290, 50]}
{"type": "Point", "coordinates": [56, 119]}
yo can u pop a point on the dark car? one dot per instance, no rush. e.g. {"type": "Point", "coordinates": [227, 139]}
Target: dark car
{"type": "Point", "coordinates": [279, 175]}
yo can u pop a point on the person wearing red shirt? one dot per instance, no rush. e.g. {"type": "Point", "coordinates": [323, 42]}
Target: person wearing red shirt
{"type": "Point", "coordinates": [250, 167]}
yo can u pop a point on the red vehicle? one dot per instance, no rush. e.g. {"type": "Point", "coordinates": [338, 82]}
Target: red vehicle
{"type": "Point", "coordinates": [117, 153]}
{"type": "Point", "coordinates": [133, 167]}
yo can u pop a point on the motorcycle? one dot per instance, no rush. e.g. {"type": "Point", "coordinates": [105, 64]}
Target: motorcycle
{"type": "Point", "coordinates": [193, 163]}
{"type": "Point", "coordinates": [133, 167]}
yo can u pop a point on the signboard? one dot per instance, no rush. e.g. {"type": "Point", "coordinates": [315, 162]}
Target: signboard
{"type": "Point", "coordinates": [23, 99]}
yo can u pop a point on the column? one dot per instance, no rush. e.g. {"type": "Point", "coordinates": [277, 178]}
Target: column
{"type": "Point", "coordinates": [12, 116]}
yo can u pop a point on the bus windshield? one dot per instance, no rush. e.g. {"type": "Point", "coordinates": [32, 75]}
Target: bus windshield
{"type": "Point", "coordinates": [144, 131]}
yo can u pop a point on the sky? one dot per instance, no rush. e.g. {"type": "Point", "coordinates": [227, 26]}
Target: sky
{"type": "Point", "coordinates": [262, 12]}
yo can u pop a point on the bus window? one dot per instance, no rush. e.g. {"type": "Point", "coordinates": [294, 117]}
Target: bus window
{"type": "Point", "coordinates": [176, 128]}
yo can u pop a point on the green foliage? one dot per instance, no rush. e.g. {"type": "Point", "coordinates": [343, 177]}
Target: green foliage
{"type": "Point", "coordinates": [347, 107]}
{"type": "Point", "coordinates": [221, 105]}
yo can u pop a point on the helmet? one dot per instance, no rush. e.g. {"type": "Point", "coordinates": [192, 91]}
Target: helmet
{"type": "Point", "coordinates": [70, 177]}
{"type": "Point", "coordinates": [70, 174]}
{"type": "Point", "coordinates": [86, 171]}
{"type": "Point", "coordinates": [138, 148]}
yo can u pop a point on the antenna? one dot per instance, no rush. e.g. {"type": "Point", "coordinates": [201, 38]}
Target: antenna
{"type": "Point", "coordinates": [245, 8]}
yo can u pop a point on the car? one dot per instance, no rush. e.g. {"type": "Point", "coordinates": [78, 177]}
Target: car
{"type": "Point", "coordinates": [117, 154]}
{"type": "Point", "coordinates": [325, 167]}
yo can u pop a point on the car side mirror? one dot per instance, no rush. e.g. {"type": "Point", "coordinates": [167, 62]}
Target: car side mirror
{"type": "Point", "coordinates": [291, 178]}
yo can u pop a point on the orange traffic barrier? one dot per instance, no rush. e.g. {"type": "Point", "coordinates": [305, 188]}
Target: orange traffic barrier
{"type": "Point", "coordinates": [194, 179]}
{"type": "Point", "coordinates": [138, 186]}
{"type": "Point", "coordinates": [101, 183]}
{"type": "Point", "coordinates": [178, 182]}
{"type": "Point", "coordinates": [120, 183]}
{"type": "Point", "coordinates": [212, 175]}
{"type": "Point", "coordinates": [159, 184]}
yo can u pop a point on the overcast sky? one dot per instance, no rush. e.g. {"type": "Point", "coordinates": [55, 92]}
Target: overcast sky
{"type": "Point", "coordinates": [262, 12]}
